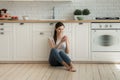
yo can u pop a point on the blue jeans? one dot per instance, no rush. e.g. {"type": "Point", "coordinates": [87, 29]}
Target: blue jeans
{"type": "Point", "coordinates": [57, 57]}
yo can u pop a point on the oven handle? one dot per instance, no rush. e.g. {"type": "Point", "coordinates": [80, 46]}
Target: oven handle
{"type": "Point", "coordinates": [106, 29]}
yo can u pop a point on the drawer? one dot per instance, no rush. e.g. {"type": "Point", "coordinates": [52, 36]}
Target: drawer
{"type": "Point", "coordinates": [22, 26]}
{"type": "Point", "coordinates": [42, 26]}
{"type": "Point", "coordinates": [106, 56]}
{"type": "Point", "coordinates": [6, 27]}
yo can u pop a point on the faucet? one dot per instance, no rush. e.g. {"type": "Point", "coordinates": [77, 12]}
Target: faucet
{"type": "Point", "coordinates": [53, 13]}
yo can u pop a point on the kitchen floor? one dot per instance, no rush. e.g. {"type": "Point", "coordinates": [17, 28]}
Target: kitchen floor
{"type": "Point", "coordinates": [46, 72]}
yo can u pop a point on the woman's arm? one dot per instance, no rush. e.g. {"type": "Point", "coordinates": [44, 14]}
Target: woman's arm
{"type": "Point", "coordinates": [67, 50]}
{"type": "Point", "coordinates": [53, 45]}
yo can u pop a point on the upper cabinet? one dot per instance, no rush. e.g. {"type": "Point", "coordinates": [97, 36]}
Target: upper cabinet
{"type": "Point", "coordinates": [36, 0]}
{"type": "Point", "coordinates": [21, 0]}
{"type": "Point", "coordinates": [62, 0]}
{"type": "Point", "coordinates": [52, 0]}
{"type": "Point", "coordinates": [43, 0]}
{"type": "Point", "coordinates": [17, 0]}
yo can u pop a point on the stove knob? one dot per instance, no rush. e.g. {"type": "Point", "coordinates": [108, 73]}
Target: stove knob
{"type": "Point", "coordinates": [106, 25]}
{"type": "Point", "coordinates": [100, 26]}
{"type": "Point", "coordinates": [110, 25]}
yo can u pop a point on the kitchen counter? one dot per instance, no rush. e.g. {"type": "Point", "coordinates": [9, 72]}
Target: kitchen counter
{"type": "Point", "coordinates": [47, 21]}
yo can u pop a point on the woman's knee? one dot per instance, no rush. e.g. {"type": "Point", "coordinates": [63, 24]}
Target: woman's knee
{"type": "Point", "coordinates": [54, 50]}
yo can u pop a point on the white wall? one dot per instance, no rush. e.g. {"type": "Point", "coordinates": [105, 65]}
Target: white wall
{"type": "Point", "coordinates": [63, 10]}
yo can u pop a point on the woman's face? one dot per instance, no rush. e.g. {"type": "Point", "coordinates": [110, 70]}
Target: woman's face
{"type": "Point", "coordinates": [60, 29]}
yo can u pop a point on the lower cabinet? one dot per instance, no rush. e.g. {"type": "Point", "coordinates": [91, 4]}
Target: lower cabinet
{"type": "Point", "coordinates": [29, 41]}
{"type": "Point", "coordinates": [81, 41]}
{"type": "Point", "coordinates": [6, 46]}
{"type": "Point", "coordinates": [23, 42]}
{"type": "Point", "coordinates": [6, 42]}
{"type": "Point", "coordinates": [68, 31]}
{"type": "Point", "coordinates": [106, 56]}
{"type": "Point", "coordinates": [41, 33]}
{"type": "Point", "coordinates": [41, 48]}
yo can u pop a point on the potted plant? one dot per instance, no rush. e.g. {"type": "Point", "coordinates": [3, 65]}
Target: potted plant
{"type": "Point", "coordinates": [81, 14]}
{"type": "Point", "coordinates": [77, 14]}
{"type": "Point", "coordinates": [86, 12]}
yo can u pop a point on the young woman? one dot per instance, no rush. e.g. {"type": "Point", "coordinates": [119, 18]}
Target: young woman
{"type": "Point", "coordinates": [60, 48]}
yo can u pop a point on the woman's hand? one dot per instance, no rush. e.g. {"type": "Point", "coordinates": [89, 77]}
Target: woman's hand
{"type": "Point", "coordinates": [64, 39]}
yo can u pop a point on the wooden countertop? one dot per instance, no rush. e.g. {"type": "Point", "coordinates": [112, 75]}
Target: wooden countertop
{"type": "Point", "coordinates": [49, 21]}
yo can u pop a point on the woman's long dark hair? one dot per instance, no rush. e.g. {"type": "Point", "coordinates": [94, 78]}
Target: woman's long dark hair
{"type": "Point", "coordinates": [58, 24]}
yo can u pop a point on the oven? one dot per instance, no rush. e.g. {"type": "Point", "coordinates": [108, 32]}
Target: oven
{"type": "Point", "coordinates": [105, 37]}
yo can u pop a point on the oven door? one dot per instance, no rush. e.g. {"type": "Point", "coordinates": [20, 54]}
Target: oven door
{"type": "Point", "coordinates": [105, 40]}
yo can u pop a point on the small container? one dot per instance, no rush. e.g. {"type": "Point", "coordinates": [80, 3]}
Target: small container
{"type": "Point", "coordinates": [25, 17]}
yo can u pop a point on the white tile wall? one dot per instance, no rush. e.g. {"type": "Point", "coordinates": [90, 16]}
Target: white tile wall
{"type": "Point", "coordinates": [63, 10]}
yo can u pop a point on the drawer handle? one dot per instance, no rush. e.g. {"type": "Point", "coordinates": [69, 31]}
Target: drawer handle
{"type": "Point", "coordinates": [1, 28]}
{"type": "Point", "coordinates": [2, 33]}
{"type": "Point", "coordinates": [41, 33]}
{"type": "Point", "coordinates": [1, 23]}
{"type": "Point", "coordinates": [80, 23]}
{"type": "Point", "coordinates": [51, 24]}
{"type": "Point", "coordinates": [21, 23]}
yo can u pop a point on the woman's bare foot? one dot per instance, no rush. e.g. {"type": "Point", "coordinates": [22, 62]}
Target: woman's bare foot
{"type": "Point", "coordinates": [72, 69]}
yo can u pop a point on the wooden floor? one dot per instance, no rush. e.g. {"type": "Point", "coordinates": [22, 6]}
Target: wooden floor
{"type": "Point", "coordinates": [46, 72]}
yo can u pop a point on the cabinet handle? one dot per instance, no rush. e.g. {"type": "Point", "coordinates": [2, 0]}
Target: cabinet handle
{"type": "Point", "coordinates": [51, 24]}
{"type": "Point", "coordinates": [80, 23]}
{"type": "Point", "coordinates": [41, 33]}
{"type": "Point", "coordinates": [2, 33]}
{"type": "Point", "coordinates": [21, 23]}
{"type": "Point", "coordinates": [1, 23]}
{"type": "Point", "coordinates": [1, 28]}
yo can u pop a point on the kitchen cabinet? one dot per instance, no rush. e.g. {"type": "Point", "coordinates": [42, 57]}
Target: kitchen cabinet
{"type": "Point", "coordinates": [5, 0]}
{"type": "Point", "coordinates": [36, 0]}
{"type": "Point", "coordinates": [41, 33]}
{"type": "Point", "coordinates": [16, 0]}
{"type": "Point", "coordinates": [29, 41]}
{"type": "Point", "coordinates": [22, 0]}
{"type": "Point", "coordinates": [6, 42]}
{"type": "Point", "coordinates": [43, 0]}
{"type": "Point", "coordinates": [69, 33]}
{"type": "Point", "coordinates": [106, 56]}
{"type": "Point", "coordinates": [23, 42]}
{"type": "Point", "coordinates": [81, 41]}
{"type": "Point", "coordinates": [62, 0]}
{"type": "Point", "coordinates": [53, 0]}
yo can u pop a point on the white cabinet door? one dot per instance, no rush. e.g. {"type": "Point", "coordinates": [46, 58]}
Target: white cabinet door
{"type": "Point", "coordinates": [23, 42]}
{"type": "Point", "coordinates": [62, 0]}
{"type": "Point", "coordinates": [16, 0]}
{"type": "Point", "coordinates": [53, 0]}
{"type": "Point", "coordinates": [69, 33]}
{"type": "Point", "coordinates": [6, 42]}
{"type": "Point", "coordinates": [43, 0]}
{"type": "Point", "coordinates": [41, 49]}
{"type": "Point", "coordinates": [5, 0]}
{"type": "Point", "coordinates": [81, 41]}
{"type": "Point", "coordinates": [22, 0]}
{"type": "Point", "coordinates": [35, 0]}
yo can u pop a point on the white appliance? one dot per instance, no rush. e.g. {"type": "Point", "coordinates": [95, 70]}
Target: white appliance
{"type": "Point", "coordinates": [105, 37]}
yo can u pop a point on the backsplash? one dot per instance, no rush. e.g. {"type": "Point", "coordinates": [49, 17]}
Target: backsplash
{"type": "Point", "coordinates": [63, 10]}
